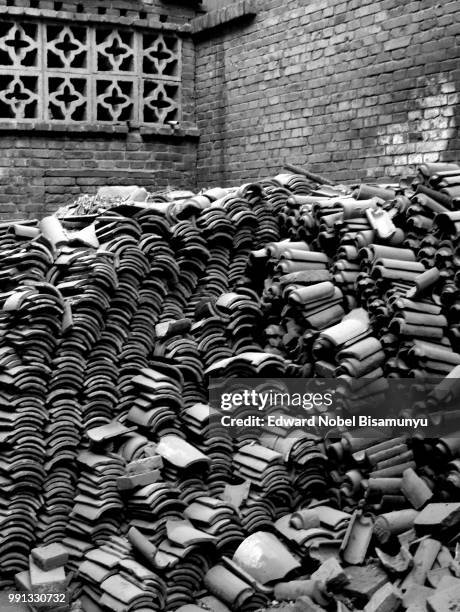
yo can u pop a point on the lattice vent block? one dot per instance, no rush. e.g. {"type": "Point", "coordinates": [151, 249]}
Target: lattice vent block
{"type": "Point", "coordinates": [77, 73]}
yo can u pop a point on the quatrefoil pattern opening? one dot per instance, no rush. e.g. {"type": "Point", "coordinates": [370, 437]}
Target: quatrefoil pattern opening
{"type": "Point", "coordinates": [159, 105]}
{"type": "Point", "coordinates": [19, 45]}
{"type": "Point", "coordinates": [19, 98]}
{"type": "Point", "coordinates": [115, 51]}
{"type": "Point", "coordinates": [66, 47]}
{"type": "Point", "coordinates": [76, 73]}
{"type": "Point", "coordinates": [67, 99]}
{"type": "Point", "coordinates": [160, 55]}
{"type": "Point", "coordinates": [115, 100]}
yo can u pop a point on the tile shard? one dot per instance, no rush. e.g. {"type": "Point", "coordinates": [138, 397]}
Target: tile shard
{"type": "Point", "coordinates": [386, 599]}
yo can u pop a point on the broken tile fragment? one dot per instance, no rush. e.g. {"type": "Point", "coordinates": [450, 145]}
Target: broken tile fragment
{"type": "Point", "coordinates": [435, 576]}
{"type": "Point", "coordinates": [141, 466]}
{"type": "Point", "coordinates": [424, 558]}
{"type": "Point", "coordinates": [415, 598]}
{"type": "Point", "coordinates": [331, 575]}
{"type": "Point", "coordinates": [364, 581]}
{"type": "Point", "coordinates": [386, 599]}
{"type": "Point", "coordinates": [142, 479]}
{"type": "Point", "coordinates": [287, 591]}
{"type": "Point", "coordinates": [395, 564]}
{"type": "Point", "coordinates": [305, 604]}
{"type": "Point", "coordinates": [446, 598]}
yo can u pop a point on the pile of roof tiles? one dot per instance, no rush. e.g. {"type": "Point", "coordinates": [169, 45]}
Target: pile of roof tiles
{"type": "Point", "coordinates": [117, 313]}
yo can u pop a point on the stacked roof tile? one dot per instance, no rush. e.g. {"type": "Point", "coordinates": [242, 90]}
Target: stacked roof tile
{"type": "Point", "coordinates": [114, 324]}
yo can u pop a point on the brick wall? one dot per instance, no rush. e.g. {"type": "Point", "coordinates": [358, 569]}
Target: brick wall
{"type": "Point", "coordinates": [352, 88]}
{"type": "Point", "coordinates": [38, 174]}
{"type": "Point", "coordinates": [44, 165]}
{"type": "Point", "coordinates": [165, 11]}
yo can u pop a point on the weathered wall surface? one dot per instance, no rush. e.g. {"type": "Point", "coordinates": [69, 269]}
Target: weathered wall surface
{"type": "Point", "coordinates": [351, 88]}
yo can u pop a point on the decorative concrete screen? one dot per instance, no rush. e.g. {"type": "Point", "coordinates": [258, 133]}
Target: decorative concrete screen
{"type": "Point", "coordinates": [76, 74]}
